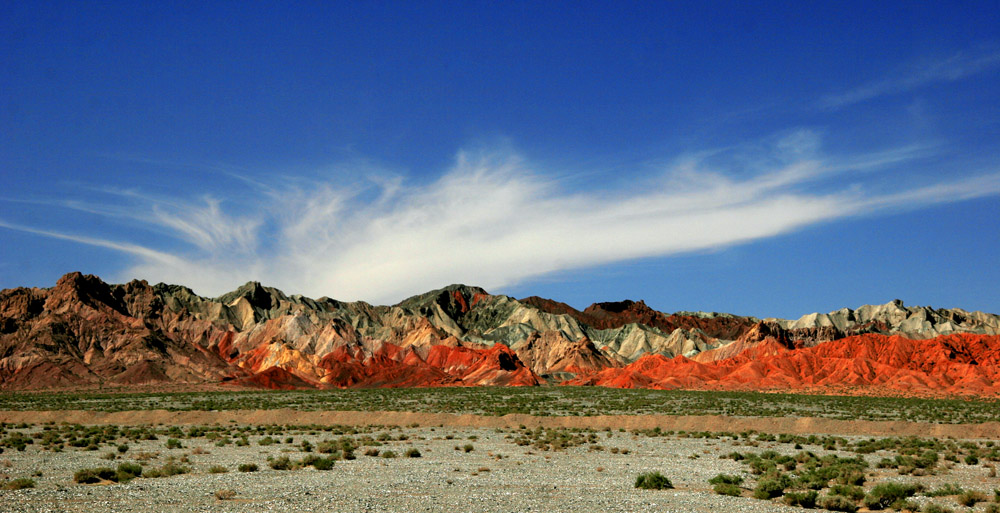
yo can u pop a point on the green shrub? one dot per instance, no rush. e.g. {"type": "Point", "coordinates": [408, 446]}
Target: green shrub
{"type": "Point", "coordinates": [803, 499]}
{"type": "Point", "coordinates": [886, 494]}
{"type": "Point", "coordinates": [247, 467]}
{"type": "Point", "coordinates": [412, 453]}
{"type": "Point", "coordinates": [770, 487]}
{"type": "Point", "coordinates": [727, 489]}
{"type": "Point", "coordinates": [94, 475]}
{"type": "Point", "coordinates": [837, 503]}
{"type": "Point", "coordinates": [323, 463]}
{"type": "Point", "coordinates": [217, 469]}
{"type": "Point", "coordinates": [851, 477]}
{"type": "Point", "coordinates": [282, 463]}
{"type": "Point", "coordinates": [388, 454]}
{"type": "Point", "coordinates": [19, 484]}
{"type": "Point", "coordinates": [990, 508]}
{"type": "Point", "coordinates": [468, 448]}
{"type": "Point", "coordinates": [173, 443]}
{"type": "Point", "coordinates": [726, 479]}
{"type": "Point", "coordinates": [127, 472]}
{"type": "Point", "coordinates": [813, 480]}
{"type": "Point", "coordinates": [852, 492]}
{"type": "Point", "coordinates": [935, 508]}
{"type": "Point", "coordinates": [653, 481]}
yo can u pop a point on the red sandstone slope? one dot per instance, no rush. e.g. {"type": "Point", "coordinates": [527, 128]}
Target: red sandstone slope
{"type": "Point", "coordinates": [388, 365]}
{"type": "Point", "coordinates": [952, 364]}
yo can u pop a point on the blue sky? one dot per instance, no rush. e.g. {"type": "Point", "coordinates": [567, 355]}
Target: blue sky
{"type": "Point", "coordinates": [772, 159]}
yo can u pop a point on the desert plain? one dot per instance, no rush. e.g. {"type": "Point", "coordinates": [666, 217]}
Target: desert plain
{"type": "Point", "coordinates": [489, 449]}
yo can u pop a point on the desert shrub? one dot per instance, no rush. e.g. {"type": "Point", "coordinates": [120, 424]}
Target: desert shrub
{"type": "Point", "coordinates": [803, 499]}
{"type": "Point", "coordinates": [388, 454]}
{"type": "Point", "coordinates": [726, 479]}
{"type": "Point", "coordinates": [225, 495]}
{"type": "Point", "coordinates": [173, 443]}
{"type": "Point", "coordinates": [371, 452]}
{"type": "Point", "coordinates": [837, 503]}
{"type": "Point", "coordinates": [412, 453]}
{"type": "Point", "coordinates": [771, 486]}
{"type": "Point", "coordinates": [468, 448]}
{"type": "Point", "coordinates": [323, 463]}
{"type": "Point", "coordinates": [94, 475]}
{"type": "Point", "coordinates": [282, 463]}
{"type": "Point", "coordinates": [217, 469]}
{"type": "Point", "coordinates": [19, 484]}
{"type": "Point", "coordinates": [852, 492]}
{"type": "Point", "coordinates": [851, 477]}
{"type": "Point", "coordinates": [971, 459]}
{"type": "Point", "coordinates": [990, 508]}
{"type": "Point", "coordinates": [727, 489]}
{"type": "Point", "coordinates": [247, 467]}
{"type": "Point", "coordinates": [127, 472]}
{"type": "Point", "coordinates": [936, 508]}
{"type": "Point", "coordinates": [971, 498]}
{"type": "Point", "coordinates": [887, 494]}
{"type": "Point", "coordinates": [266, 441]}
{"type": "Point", "coordinates": [812, 480]}
{"type": "Point", "coordinates": [653, 481]}
{"type": "Point", "coordinates": [123, 448]}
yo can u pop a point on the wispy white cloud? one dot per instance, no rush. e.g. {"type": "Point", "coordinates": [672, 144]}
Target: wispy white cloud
{"type": "Point", "coordinates": [493, 220]}
{"type": "Point", "coordinates": [955, 67]}
{"type": "Point", "coordinates": [146, 254]}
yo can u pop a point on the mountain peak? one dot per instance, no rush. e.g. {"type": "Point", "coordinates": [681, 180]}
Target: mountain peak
{"type": "Point", "coordinates": [259, 296]}
{"type": "Point", "coordinates": [618, 306]}
{"type": "Point", "coordinates": [453, 290]}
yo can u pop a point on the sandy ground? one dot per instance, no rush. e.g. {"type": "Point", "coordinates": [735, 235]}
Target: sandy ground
{"type": "Point", "coordinates": [497, 476]}
{"type": "Point", "coordinates": [803, 425]}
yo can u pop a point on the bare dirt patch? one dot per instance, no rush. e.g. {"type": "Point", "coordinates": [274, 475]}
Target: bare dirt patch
{"type": "Point", "coordinates": [790, 425]}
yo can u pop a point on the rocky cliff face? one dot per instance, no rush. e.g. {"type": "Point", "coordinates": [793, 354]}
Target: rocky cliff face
{"type": "Point", "coordinates": [84, 332]}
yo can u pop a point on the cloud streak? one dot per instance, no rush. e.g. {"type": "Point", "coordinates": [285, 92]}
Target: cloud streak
{"type": "Point", "coordinates": [492, 220]}
{"type": "Point", "coordinates": [956, 67]}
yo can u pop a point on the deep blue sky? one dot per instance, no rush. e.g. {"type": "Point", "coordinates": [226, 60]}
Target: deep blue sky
{"type": "Point", "coordinates": [135, 140]}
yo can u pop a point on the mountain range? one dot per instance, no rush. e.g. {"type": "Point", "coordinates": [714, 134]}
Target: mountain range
{"type": "Point", "coordinates": [85, 333]}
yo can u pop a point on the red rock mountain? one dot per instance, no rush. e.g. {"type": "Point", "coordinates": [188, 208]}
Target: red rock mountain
{"type": "Point", "coordinates": [945, 365]}
{"type": "Point", "coordinates": [86, 333]}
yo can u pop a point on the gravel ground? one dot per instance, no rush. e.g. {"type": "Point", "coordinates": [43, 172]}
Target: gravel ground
{"type": "Point", "coordinates": [518, 479]}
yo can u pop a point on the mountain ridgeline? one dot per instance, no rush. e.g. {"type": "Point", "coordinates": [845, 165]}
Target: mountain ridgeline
{"type": "Point", "coordinates": [85, 333]}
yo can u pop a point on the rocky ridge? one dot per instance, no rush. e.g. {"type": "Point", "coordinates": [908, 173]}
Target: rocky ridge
{"type": "Point", "coordinates": [85, 332]}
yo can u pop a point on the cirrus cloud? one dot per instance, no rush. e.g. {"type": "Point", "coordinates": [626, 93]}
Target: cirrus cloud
{"type": "Point", "coordinates": [493, 220]}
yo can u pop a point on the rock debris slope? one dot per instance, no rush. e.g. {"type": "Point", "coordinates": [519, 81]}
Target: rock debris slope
{"type": "Point", "coordinates": [84, 333]}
